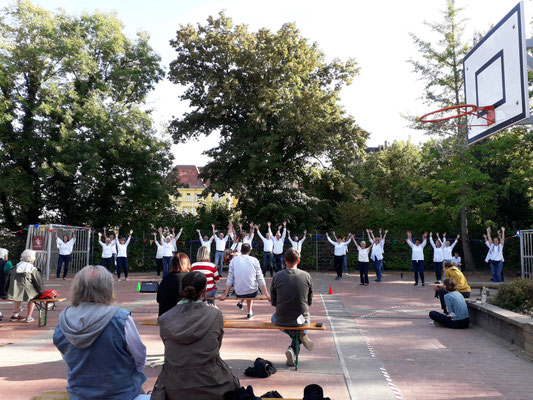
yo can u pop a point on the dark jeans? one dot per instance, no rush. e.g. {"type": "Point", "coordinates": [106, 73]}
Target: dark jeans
{"type": "Point", "coordinates": [108, 262]}
{"type": "Point", "coordinates": [268, 260]}
{"type": "Point", "coordinates": [363, 272]}
{"type": "Point", "coordinates": [247, 296]}
{"type": "Point", "coordinates": [219, 261]}
{"type": "Point", "coordinates": [113, 262]}
{"type": "Point", "coordinates": [62, 259]}
{"type": "Point", "coordinates": [378, 266]}
{"type": "Point", "coordinates": [496, 267]}
{"type": "Point", "coordinates": [440, 294]}
{"type": "Point", "coordinates": [278, 262]}
{"type": "Point", "coordinates": [211, 293]}
{"type": "Point", "coordinates": [122, 265]}
{"type": "Point", "coordinates": [337, 264]}
{"type": "Point", "coordinates": [159, 265]}
{"type": "Point", "coordinates": [345, 264]}
{"type": "Point", "coordinates": [418, 268]}
{"type": "Point", "coordinates": [166, 265]}
{"type": "Point", "coordinates": [448, 322]}
{"type": "Point", "coordinates": [438, 269]}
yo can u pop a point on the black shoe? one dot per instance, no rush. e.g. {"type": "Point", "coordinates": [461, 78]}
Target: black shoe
{"type": "Point", "coordinates": [239, 305]}
{"type": "Point", "coordinates": [423, 284]}
{"type": "Point", "coordinates": [416, 284]}
{"type": "Point", "coordinates": [361, 284]}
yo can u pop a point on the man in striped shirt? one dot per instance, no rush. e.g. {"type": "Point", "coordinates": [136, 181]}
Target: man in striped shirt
{"type": "Point", "coordinates": [210, 271]}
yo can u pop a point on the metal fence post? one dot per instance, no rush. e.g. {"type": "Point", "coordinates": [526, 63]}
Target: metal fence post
{"type": "Point", "coordinates": [316, 249]}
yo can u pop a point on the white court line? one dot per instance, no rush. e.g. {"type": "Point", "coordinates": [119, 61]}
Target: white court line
{"type": "Point", "coordinates": [339, 352]}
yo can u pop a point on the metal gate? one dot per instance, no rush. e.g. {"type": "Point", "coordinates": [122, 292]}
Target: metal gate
{"type": "Point", "coordinates": [526, 253]}
{"type": "Point", "coordinates": [42, 239]}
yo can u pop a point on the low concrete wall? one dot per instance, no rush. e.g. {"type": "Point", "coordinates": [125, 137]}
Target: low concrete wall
{"type": "Point", "coordinates": [514, 328]}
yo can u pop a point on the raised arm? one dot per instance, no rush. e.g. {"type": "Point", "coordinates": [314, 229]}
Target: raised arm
{"type": "Point", "coordinates": [455, 242]}
{"type": "Point", "coordinates": [176, 237]}
{"type": "Point", "coordinates": [269, 229]}
{"type": "Point", "coordinates": [502, 239]}
{"type": "Point", "coordinates": [425, 237]}
{"type": "Point", "coordinates": [489, 238]}
{"type": "Point", "coordinates": [384, 236]}
{"type": "Point", "coordinates": [100, 239]}
{"type": "Point", "coordinates": [329, 240]}
{"type": "Point", "coordinates": [409, 239]}
{"type": "Point", "coordinates": [251, 231]}
{"type": "Point", "coordinates": [370, 235]}
{"type": "Point", "coordinates": [284, 234]}
{"type": "Point", "coordinates": [259, 233]}
{"type": "Point", "coordinates": [354, 241]}
{"type": "Point", "coordinates": [200, 235]}
{"type": "Point", "coordinates": [129, 237]}
{"type": "Point", "coordinates": [303, 239]}
{"type": "Point", "coordinates": [431, 240]}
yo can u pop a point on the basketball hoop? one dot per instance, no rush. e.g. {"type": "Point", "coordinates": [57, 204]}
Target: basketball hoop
{"type": "Point", "coordinates": [456, 112]}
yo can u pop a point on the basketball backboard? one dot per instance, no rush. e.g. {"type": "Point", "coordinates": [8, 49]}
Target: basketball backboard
{"type": "Point", "coordinates": [495, 74]}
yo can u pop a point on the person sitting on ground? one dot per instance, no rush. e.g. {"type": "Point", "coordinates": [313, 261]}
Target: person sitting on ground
{"type": "Point", "coordinates": [461, 285]}
{"type": "Point", "coordinates": [5, 267]}
{"type": "Point", "coordinates": [210, 271]}
{"type": "Point", "coordinates": [246, 277]}
{"type": "Point", "coordinates": [192, 334]}
{"type": "Point", "coordinates": [24, 283]}
{"type": "Point", "coordinates": [99, 342]}
{"type": "Point", "coordinates": [292, 295]}
{"type": "Point", "coordinates": [457, 317]}
{"type": "Point", "coordinates": [169, 290]}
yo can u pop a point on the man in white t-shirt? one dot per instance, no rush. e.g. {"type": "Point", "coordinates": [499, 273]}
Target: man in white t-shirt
{"type": "Point", "coordinates": [417, 256]}
{"type": "Point", "coordinates": [220, 242]}
{"type": "Point", "coordinates": [246, 278]}
{"type": "Point", "coordinates": [295, 243]}
{"type": "Point", "coordinates": [65, 247]}
{"type": "Point", "coordinates": [268, 250]}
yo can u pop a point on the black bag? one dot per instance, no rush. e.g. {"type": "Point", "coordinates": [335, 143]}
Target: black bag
{"type": "Point", "coordinates": [149, 287]}
{"type": "Point", "coordinates": [241, 394]}
{"type": "Point", "coordinates": [314, 392]}
{"type": "Point", "coordinates": [262, 369]}
{"type": "Point", "coordinates": [273, 394]}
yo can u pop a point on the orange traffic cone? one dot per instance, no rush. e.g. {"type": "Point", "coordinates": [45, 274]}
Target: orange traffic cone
{"type": "Point", "coordinates": [330, 290]}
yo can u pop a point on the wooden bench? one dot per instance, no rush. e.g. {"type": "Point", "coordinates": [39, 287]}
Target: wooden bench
{"type": "Point", "coordinates": [61, 395]}
{"type": "Point", "coordinates": [42, 305]}
{"type": "Point", "coordinates": [240, 324]}
{"type": "Point", "coordinates": [229, 298]}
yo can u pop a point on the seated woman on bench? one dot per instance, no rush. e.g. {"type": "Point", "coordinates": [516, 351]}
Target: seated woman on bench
{"type": "Point", "coordinates": [457, 316]}
{"type": "Point", "coordinates": [192, 333]}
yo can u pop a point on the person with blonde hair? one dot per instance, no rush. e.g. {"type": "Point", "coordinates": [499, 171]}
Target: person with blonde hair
{"type": "Point", "coordinates": [169, 290]}
{"type": "Point", "coordinates": [24, 283]}
{"type": "Point", "coordinates": [457, 316]}
{"type": "Point", "coordinates": [210, 271]}
{"type": "Point", "coordinates": [192, 334]}
{"type": "Point", "coordinates": [99, 342]}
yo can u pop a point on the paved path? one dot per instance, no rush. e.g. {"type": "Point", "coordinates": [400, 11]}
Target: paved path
{"type": "Point", "coordinates": [378, 344]}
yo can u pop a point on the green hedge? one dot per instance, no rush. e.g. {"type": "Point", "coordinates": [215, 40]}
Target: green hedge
{"type": "Point", "coordinates": [515, 296]}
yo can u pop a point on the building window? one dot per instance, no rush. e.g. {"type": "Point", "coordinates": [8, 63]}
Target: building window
{"type": "Point", "coordinates": [188, 197]}
{"type": "Point", "coordinates": [185, 210]}
{"type": "Point", "coordinates": [193, 210]}
{"type": "Point", "coordinates": [196, 197]}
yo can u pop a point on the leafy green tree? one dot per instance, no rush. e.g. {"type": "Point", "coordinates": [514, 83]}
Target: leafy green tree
{"type": "Point", "coordinates": [274, 101]}
{"type": "Point", "coordinates": [77, 144]}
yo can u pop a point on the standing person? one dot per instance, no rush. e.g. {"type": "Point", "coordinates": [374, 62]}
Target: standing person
{"type": "Point", "coordinates": [168, 247]}
{"type": "Point", "coordinates": [236, 246]}
{"type": "Point", "coordinates": [210, 271]}
{"type": "Point", "coordinates": [247, 237]}
{"type": "Point", "coordinates": [458, 317]}
{"type": "Point", "coordinates": [192, 334]}
{"type": "Point", "coordinates": [206, 240]}
{"type": "Point", "coordinates": [175, 240]}
{"type": "Point", "coordinates": [438, 256]}
{"type": "Point", "coordinates": [292, 295]}
{"type": "Point", "coordinates": [158, 256]}
{"type": "Point", "coordinates": [107, 252]}
{"type": "Point", "coordinates": [345, 256]}
{"type": "Point", "coordinates": [377, 252]}
{"type": "Point", "coordinates": [461, 285]}
{"type": "Point", "coordinates": [122, 255]}
{"type": "Point", "coordinates": [65, 248]}
{"type": "Point", "coordinates": [113, 242]}
{"type": "Point", "coordinates": [340, 251]}
{"type": "Point", "coordinates": [279, 240]}
{"type": "Point", "coordinates": [363, 260]}
{"type": "Point", "coordinates": [448, 248]}
{"type": "Point", "coordinates": [221, 242]}
{"type": "Point", "coordinates": [169, 291]}
{"type": "Point", "coordinates": [246, 278]}
{"type": "Point", "coordinates": [295, 243]}
{"type": "Point", "coordinates": [496, 254]}
{"type": "Point", "coordinates": [5, 267]}
{"type": "Point", "coordinates": [268, 250]}
{"type": "Point", "coordinates": [24, 283]}
{"type": "Point", "coordinates": [417, 256]}
{"type": "Point", "coordinates": [99, 342]}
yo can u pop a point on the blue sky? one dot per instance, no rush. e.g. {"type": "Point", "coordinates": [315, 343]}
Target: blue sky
{"type": "Point", "coordinates": [374, 33]}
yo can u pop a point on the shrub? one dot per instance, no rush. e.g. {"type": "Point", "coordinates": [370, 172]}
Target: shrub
{"type": "Point", "coordinates": [515, 296]}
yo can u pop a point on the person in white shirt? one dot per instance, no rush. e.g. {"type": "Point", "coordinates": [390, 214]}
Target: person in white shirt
{"type": "Point", "coordinates": [457, 260]}
{"type": "Point", "coordinates": [448, 248]}
{"type": "Point", "coordinates": [363, 260]}
{"type": "Point", "coordinates": [175, 240]}
{"type": "Point", "coordinates": [107, 252]}
{"type": "Point", "coordinates": [158, 256]}
{"type": "Point", "coordinates": [295, 243]}
{"type": "Point", "coordinates": [168, 244]}
{"type": "Point", "coordinates": [113, 240]}
{"type": "Point", "coordinates": [220, 242]}
{"type": "Point", "coordinates": [417, 256]}
{"type": "Point", "coordinates": [122, 255]}
{"type": "Point", "coordinates": [438, 256]}
{"type": "Point", "coordinates": [268, 250]}
{"type": "Point", "coordinates": [65, 248]}
{"type": "Point", "coordinates": [279, 240]}
{"type": "Point", "coordinates": [246, 278]}
{"type": "Point", "coordinates": [496, 254]}
{"type": "Point", "coordinates": [377, 252]}
{"type": "Point", "coordinates": [340, 251]}
{"type": "Point", "coordinates": [206, 240]}
{"type": "Point", "coordinates": [247, 237]}
{"type": "Point", "coordinates": [345, 256]}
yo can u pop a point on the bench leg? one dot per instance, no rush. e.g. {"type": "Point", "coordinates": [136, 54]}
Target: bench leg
{"type": "Point", "coordinates": [39, 306]}
{"type": "Point", "coordinates": [297, 349]}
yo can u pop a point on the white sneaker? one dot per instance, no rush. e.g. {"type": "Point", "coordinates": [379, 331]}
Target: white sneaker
{"type": "Point", "coordinates": [118, 279]}
{"type": "Point", "coordinates": [308, 343]}
{"type": "Point", "coordinates": [291, 357]}
{"type": "Point", "coordinates": [347, 274]}
{"type": "Point", "coordinates": [127, 279]}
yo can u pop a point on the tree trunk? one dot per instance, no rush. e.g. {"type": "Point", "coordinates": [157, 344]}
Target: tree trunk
{"type": "Point", "coordinates": [469, 264]}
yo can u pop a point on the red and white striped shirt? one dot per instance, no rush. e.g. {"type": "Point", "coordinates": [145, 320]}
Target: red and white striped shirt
{"type": "Point", "coordinates": [209, 270]}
